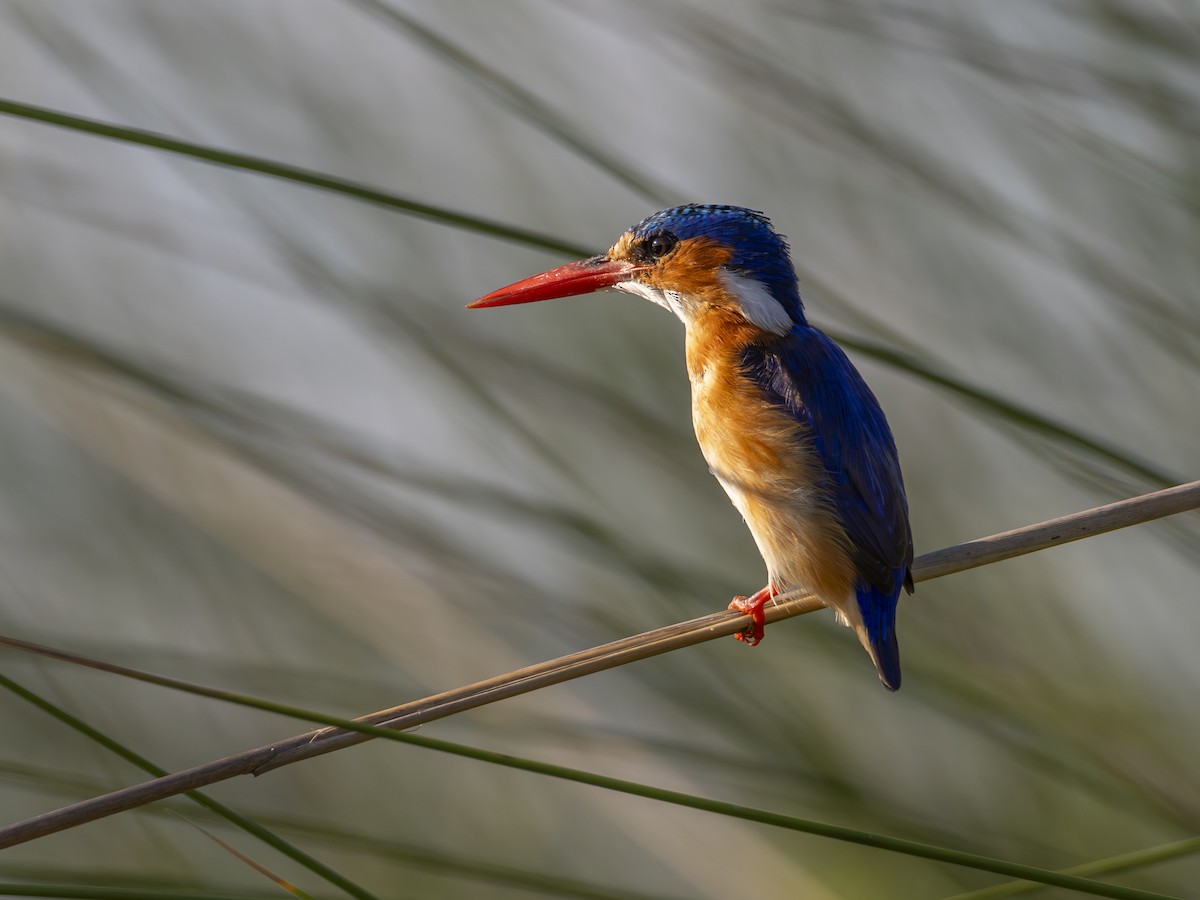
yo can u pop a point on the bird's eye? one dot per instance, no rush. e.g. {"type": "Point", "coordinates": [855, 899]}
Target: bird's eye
{"type": "Point", "coordinates": [659, 245]}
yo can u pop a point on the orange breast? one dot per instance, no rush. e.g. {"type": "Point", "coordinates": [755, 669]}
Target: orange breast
{"type": "Point", "coordinates": [765, 460]}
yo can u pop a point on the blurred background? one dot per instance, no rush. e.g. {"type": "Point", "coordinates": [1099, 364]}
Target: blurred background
{"type": "Point", "coordinates": [252, 438]}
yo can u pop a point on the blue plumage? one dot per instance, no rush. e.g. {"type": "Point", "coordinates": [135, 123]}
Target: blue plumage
{"type": "Point", "coordinates": [810, 375]}
{"type": "Point", "coordinates": [785, 421]}
{"type": "Point", "coordinates": [758, 250]}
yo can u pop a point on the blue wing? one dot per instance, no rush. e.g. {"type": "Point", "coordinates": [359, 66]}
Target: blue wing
{"type": "Point", "coordinates": [812, 378]}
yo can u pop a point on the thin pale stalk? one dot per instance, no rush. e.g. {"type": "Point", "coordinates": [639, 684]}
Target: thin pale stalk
{"type": "Point", "coordinates": [386, 723]}
{"type": "Point", "coordinates": [718, 807]}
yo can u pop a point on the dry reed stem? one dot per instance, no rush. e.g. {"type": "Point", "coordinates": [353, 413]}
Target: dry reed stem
{"type": "Point", "coordinates": [971, 554]}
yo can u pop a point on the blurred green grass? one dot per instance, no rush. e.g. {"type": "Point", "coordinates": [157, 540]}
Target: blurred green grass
{"type": "Point", "coordinates": [268, 439]}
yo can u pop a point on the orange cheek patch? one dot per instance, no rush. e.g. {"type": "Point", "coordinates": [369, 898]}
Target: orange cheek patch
{"type": "Point", "coordinates": [692, 270]}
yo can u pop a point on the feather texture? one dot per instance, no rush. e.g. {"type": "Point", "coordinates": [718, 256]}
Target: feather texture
{"type": "Point", "coordinates": [810, 376]}
{"type": "Point", "coordinates": [786, 423]}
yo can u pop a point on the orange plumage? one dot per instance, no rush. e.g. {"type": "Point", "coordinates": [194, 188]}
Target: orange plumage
{"type": "Point", "coordinates": [785, 421]}
{"type": "Point", "coordinates": [766, 462]}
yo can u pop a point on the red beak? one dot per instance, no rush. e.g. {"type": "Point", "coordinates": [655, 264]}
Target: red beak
{"type": "Point", "coordinates": [581, 277]}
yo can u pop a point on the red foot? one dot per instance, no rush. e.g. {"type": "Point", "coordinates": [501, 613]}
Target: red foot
{"type": "Point", "coordinates": [753, 607]}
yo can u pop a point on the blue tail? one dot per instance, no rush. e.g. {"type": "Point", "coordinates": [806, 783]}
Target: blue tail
{"type": "Point", "coordinates": [886, 653]}
{"type": "Point", "coordinates": [879, 617]}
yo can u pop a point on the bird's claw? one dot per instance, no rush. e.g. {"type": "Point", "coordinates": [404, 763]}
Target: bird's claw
{"type": "Point", "coordinates": [753, 607]}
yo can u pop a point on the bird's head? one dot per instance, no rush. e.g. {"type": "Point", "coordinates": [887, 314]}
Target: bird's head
{"type": "Point", "coordinates": [685, 259]}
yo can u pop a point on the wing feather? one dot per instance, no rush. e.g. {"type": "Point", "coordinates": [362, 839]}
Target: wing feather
{"type": "Point", "coordinates": [815, 381]}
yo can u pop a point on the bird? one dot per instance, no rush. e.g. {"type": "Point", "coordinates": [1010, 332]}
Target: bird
{"type": "Point", "coordinates": [784, 420]}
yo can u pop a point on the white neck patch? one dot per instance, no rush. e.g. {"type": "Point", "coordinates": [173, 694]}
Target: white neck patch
{"type": "Point", "coordinates": [756, 302]}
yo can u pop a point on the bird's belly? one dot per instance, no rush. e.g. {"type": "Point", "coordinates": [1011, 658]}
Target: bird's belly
{"type": "Point", "coordinates": [767, 464]}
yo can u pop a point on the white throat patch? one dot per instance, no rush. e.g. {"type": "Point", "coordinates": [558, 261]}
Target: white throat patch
{"type": "Point", "coordinates": [666, 299]}
{"type": "Point", "coordinates": [753, 300]}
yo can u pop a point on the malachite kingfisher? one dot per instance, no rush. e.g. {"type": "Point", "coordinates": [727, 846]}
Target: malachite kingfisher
{"type": "Point", "coordinates": [784, 420]}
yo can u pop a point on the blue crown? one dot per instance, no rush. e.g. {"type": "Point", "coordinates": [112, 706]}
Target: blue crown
{"type": "Point", "coordinates": [758, 251]}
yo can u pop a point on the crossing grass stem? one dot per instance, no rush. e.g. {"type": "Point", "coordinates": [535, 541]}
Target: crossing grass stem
{"type": "Point", "coordinates": [958, 558]}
